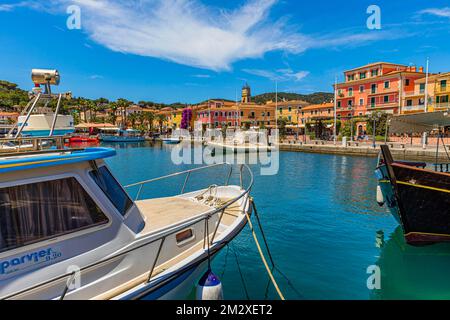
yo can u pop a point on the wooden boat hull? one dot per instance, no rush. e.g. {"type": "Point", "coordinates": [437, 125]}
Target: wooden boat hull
{"type": "Point", "coordinates": [418, 198]}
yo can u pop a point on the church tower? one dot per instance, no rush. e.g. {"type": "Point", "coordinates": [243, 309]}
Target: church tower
{"type": "Point", "coordinates": [246, 94]}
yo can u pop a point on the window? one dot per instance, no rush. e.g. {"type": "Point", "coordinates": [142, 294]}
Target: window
{"type": "Point", "coordinates": [339, 104]}
{"type": "Point", "coordinates": [372, 102]}
{"type": "Point", "coordinates": [242, 113]}
{"type": "Point", "coordinates": [387, 84]}
{"type": "Point", "coordinates": [422, 88]}
{"type": "Point", "coordinates": [113, 190]}
{"type": "Point", "coordinates": [361, 102]}
{"type": "Point", "coordinates": [268, 114]}
{"type": "Point", "coordinates": [281, 110]}
{"type": "Point", "coordinates": [184, 236]}
{"type": "Point", "coordinates": [362, 75]}
{"type": "Point", "coordinates": [329, 111]}
{"type": "Point", "coordinates": [290, 118]}
{"type": "Point", "coordinates": [361, 89]}
{"type": "Point", "coordinates": [350, 103]}
{"type": "Point", "coordinates": [350, 92]}
{"type": "Point", "coordinates": [44, 210]}
{"type": "Point", "coordinates": [443, 84]}
{"type": "Point", "coordinates": [409, 103]}
{"type": "Point", "coordinates": [290, 108]}
{"type": "Point", "coordinates": [374, 88]}
{"type": "Point", "coordinates": [350, 77]}
{"type": "Point", "coordinates": [407, 82]}
{"type": "Point", "coordinates": [386, 99]}
{"type": "Point", "coordinates": [374, 73]}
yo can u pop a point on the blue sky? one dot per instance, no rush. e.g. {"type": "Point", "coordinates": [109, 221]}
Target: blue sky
{"type": "Point", "coordinates": [192, 50]}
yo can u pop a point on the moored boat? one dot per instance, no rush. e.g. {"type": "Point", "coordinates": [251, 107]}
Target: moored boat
{"type": "Point", "coordinates": [70, 230]}
{"type": "Point", "coordinates": [120, 135]}
{"type": "Point", "coordinates": [418, 197]}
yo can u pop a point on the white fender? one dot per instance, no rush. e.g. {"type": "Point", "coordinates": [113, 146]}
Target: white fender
{"type": "Point", "coordinates": [380, 196]}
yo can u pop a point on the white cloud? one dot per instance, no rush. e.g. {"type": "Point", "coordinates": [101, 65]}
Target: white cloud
{"type": "Point", "coordinates": [279, 75]}
{"type": "Point", "coordinates": [191, 33]}
{"type": "Point", "coordinates": [202, 76]}
{"type": "Point", "coordinates": [440, 12]}
{"type": "Point", "coordinates": [95, 77]}
{"type": "Point", "coordinates": [186, 31]}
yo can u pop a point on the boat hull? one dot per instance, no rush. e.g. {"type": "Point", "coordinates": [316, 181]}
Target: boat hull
{"type": "Point", "coordinates": [122, 139]}
{"type": "Point", "coordinates": [419, 199]}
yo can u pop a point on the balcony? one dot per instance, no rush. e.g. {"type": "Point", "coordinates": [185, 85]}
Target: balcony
{"type": "Point", "coordinates": [410, 109]}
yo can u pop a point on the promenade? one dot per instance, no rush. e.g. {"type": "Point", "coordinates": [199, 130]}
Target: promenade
{"type": "Point", "coordinates": [400, 151]}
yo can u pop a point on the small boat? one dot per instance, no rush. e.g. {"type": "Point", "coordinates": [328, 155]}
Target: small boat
{"type": "Point", "coordinates": [417, 196]}
{"type": "Point", "coordinates": [171, 140]}
{"type": "Point", "coordinates": [83, 139]}
{"type": "Point", "coordinates": [240, 148]}
{"type": "Point", "coordinates": [39, 125]}
{"type": "Point", "coordinates": [120, 135]}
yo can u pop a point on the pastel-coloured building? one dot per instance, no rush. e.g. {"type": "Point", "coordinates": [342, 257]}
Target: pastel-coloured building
{"type": "Point", "coordinates": [377, 86]}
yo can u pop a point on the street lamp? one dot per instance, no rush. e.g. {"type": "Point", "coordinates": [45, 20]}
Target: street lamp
{"type": "Point", "coordinates": [375, 116]}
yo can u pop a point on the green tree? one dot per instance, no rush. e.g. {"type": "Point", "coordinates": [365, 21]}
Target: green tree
{"type": "Point", "coordinates": [123, 105]}
{"type": "Point", "coordinates": [381, 119]}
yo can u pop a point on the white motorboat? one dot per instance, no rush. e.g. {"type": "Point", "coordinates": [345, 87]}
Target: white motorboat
{"type": "Point", "coordinates": [65, 217]}
{"type": "Point", "coordinates": [69, 230]}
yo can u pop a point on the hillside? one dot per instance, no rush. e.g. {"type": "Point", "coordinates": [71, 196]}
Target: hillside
{"type": "Point", "coordinates": [11, 95]}
{"type": "Point", "coordinates": [313, 98]}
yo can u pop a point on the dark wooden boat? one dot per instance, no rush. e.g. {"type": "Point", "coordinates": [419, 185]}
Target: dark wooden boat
{"type": "Point", "coordinates": [418, 197]}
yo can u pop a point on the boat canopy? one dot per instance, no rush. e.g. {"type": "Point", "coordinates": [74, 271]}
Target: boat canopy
{"type": "Point", "coordinates": [419, 122]}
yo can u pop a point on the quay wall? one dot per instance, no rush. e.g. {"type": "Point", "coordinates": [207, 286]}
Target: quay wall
{"type": "Point", "coordinates": [407, 153]}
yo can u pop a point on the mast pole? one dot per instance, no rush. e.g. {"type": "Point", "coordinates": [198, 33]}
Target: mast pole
{"type": "Point", "coordinates": [335, 109]}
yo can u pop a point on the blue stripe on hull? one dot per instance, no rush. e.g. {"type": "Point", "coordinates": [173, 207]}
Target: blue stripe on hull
{"type": "Point", "coordinates": [45, 133]}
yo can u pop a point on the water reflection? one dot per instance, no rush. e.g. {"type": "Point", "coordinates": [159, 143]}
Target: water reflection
{"type": "Point", "coordinates": [409, 272]}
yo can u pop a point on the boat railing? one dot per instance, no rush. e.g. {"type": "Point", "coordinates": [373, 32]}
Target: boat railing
{"type": "Point", "coordinates": [21, 144]}
{"type": "Point", "coordinates": [188, 174]}
{"type": "Point", "coordinates": [161, 237]}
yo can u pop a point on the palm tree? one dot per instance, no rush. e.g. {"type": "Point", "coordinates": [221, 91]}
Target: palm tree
{"type": "Point", "coordinates": [123, 104]}
{"type": "Point", "coordinates": [149, 117]}
{"type": "Point", "coordinates": [113, 116]}
{"type": "Point", "coordinates": [133, 118]}
{"type": "Point", "coordinates": [161, 118]}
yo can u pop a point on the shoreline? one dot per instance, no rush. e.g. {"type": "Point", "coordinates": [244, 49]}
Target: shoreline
{"type": "Point", "coordinates": [414, 153]}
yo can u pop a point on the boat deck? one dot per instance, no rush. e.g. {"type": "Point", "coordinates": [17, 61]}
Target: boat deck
{"type": "Point", "coordinates": [163, 212]}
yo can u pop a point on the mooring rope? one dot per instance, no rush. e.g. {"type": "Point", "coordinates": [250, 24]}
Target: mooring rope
{"type": "Point", "coordinates": [274, 267]}
{"type": "Point", "coordinates": [241, 275]}
{"type": "Point", "coordinates": [263, 258]}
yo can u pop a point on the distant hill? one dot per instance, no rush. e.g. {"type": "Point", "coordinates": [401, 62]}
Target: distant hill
{"type": "Point", "coordinates": [313, 98]}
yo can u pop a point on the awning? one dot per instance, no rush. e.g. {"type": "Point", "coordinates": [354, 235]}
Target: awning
{"type": "Point", "coordinates": [94, 125]}
{"type": "Point", "coordinates": [419, 122]}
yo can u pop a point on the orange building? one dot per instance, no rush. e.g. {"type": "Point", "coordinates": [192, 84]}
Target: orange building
{"type": "Point", "coordinates": [378, 86]}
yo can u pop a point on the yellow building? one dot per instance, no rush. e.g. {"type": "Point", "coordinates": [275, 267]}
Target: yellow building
{"type": "Point", "coordinates": [438, 92]}
{"type": "Point", "coordinates": [291, 110]}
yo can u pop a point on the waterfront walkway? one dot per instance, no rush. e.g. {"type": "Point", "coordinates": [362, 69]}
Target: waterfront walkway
{"type": "Point", "coordinates": [400, 151]}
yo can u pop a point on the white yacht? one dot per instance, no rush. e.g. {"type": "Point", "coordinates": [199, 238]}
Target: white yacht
{"type": "Point", "coordinates": [69, 230]}
{"type": "Point", "coordinates": [64, 215]}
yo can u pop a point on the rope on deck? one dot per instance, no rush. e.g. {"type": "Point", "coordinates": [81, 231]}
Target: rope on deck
{"type": "Point", "coordinates": [263, 258]}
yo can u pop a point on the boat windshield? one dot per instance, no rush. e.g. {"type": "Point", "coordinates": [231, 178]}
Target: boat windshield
{"type": "Point", "coordinates": [113, 190]}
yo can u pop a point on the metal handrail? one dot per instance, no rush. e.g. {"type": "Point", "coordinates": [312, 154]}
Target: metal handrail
{"type": "Point", "coordinates": [188, 175]}
{"type": "Point", "coordinates": [161, 236]}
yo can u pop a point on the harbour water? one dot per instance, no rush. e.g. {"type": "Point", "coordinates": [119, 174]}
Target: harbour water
{"type": "Point", "coordinates": [323, 226]}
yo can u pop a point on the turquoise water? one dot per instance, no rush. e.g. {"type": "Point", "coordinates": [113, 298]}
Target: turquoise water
{"type": "Point", "coordinates": [323, 225]}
